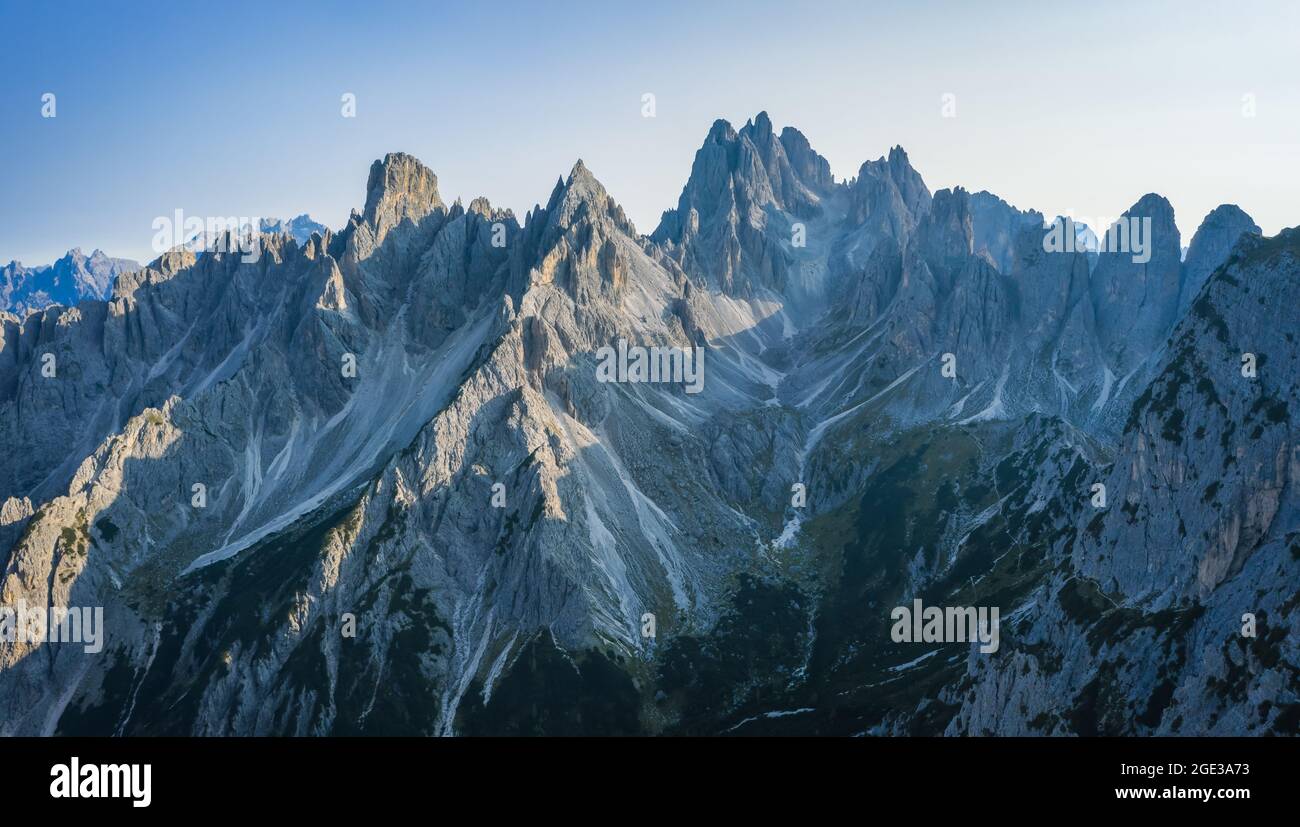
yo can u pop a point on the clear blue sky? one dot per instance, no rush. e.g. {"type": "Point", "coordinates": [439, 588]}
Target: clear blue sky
{"type": "Point", "coordinates": [233, 108]}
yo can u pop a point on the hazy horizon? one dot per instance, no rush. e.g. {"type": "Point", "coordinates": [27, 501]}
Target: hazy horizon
{"type": "Point", "coordinates": [1065, 111]}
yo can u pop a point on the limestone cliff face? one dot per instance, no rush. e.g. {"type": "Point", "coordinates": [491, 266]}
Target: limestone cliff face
{"type": "Point", "coordinates": [998, 228]}
{"type": "Point", "coordinates": [1142, 628]}
{"type": "Point", "coordinates": [1135, 302]}
{"type": "Point", "coordinates": [371, 482]}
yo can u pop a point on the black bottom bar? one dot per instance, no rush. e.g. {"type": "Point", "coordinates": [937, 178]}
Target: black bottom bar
{"type": "Point", "coordinates": [332, 776]}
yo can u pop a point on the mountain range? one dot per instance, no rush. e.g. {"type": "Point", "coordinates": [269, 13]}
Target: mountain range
{"type": "Point", "coordinates": [370, 483]}
{"type": "Point", "coordinates": [299, 228]}
{"type": "Point", "coordinates": [71, 279]}
{"type": "Point", "coordinates": [77, 277]}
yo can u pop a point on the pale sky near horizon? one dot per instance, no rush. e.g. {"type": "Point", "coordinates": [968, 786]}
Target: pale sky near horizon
{"type": "Point", "coordinates": [234, 110]}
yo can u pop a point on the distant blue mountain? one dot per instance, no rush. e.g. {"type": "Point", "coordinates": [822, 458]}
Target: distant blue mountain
{"type": "Point", "coordinates": [67, 281]}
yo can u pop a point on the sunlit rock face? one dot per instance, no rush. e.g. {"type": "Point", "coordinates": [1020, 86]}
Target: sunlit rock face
{"type": "Point", "coordinates": [374, 481]}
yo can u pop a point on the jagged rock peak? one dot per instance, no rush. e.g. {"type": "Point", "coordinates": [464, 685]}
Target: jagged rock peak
{"type": "Point", "coordinates": [583, 195]}
{"type": "Point", "coordinates": [888, 196]}
{"type": "Point", "coordinates": [173, 261]}
{"type": "Point", "coordinates": [721, 132]}
{"type": "Point", "coordinates": [576, 238]}
{"type": "Point", "coordinates": [758, 126]}
{"type": "Point", "coordinates": [1213, 241]}
{"type": "Point", "coordinates": [1164, 239]}
{"type": "Point", "coordinates": [747, 170]}
{"type": "Point", "coordinates": [1152, 204]}
{"type": "Point", "coordinates": [895, 163]}
{"type": "Point", "coordinates": [1227, 217]}
{"type": "Point", "coordinates": [580, 176]}
{"type": "Point", "coordinates": [400, 186]}
{"type": "Point", "coordinates": [483, 207]}
{"type": "Point", "coordinates": [791, 179]}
